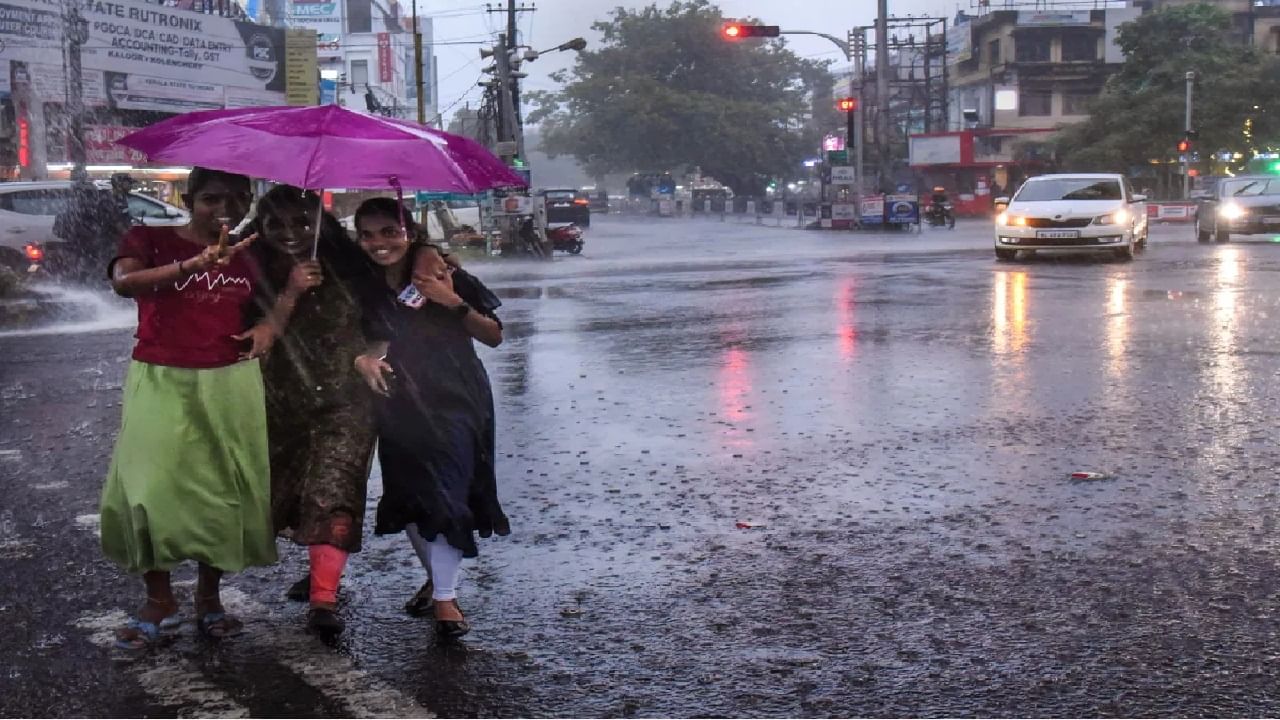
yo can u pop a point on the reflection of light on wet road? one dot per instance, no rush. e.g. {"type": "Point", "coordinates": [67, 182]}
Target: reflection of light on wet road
{"type": "Point", "coordinates": [735, 384]}
{"type": "Point", "coordinates": [1117, 327]}
{"type": "Point", "coordinates": [1009, 312]}
{"type": "Point", "coordinates": [846, 330]}
{"type": "Point", "coordinates": [1225, 371]}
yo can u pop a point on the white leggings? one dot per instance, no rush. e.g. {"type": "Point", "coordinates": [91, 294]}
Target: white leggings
{"type": "Point", "coordinates": [441, 560]}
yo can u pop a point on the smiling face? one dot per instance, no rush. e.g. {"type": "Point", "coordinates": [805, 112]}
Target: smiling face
{"type": "Point", "coordinates": [290, 227]}
{"type": "Point", "coordinates": [221, 200]}
{"type": "Point", "coordinates": [382, 238]}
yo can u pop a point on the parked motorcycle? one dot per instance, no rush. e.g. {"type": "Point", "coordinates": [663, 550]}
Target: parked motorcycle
{"type": "Point", "coordinates": [940, 215]}
{"type": "Point", "coordinates": [567, 238]}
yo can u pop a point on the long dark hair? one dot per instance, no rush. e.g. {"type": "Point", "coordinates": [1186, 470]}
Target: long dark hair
{"type": "Point", "coordinates": [336, 248]}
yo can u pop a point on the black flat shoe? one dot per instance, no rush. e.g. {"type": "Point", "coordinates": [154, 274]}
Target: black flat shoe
{"type": "Point", "coordinates": [324, 622]}
{"type": "Point", "coordinates": [421, 605]}
{"type": "Point", "coordinates": [300, 591]}
{"type": "Point", "coordinates": [452, 629]}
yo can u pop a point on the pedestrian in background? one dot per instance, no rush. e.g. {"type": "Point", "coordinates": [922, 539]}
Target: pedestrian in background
{"type": "Point", "coordinates": [434, 404]}
{"type": "Point", "coordinates": [189, 476]}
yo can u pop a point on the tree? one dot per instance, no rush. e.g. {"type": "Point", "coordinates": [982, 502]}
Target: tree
{"type": "Point", "coordinates": [1139, 117]}
{"type": "Point", "coordinates": [665, 91]}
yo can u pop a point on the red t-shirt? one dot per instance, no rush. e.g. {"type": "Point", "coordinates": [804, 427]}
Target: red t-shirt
{"type": "Point", "coordinates": [189, 322]}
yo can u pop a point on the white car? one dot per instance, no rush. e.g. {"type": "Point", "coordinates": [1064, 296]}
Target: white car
{"type": "Point", "coordinates": [28, 209]}
{"type": "Point", "coordinates": [1085, 212]}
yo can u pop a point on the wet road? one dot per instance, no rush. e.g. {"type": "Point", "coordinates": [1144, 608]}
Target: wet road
{"type": "Point", "coordinates": [897, 417]}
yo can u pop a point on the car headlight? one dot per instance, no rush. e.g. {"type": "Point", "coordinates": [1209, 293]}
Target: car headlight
{"type": "Point", "coordinates": [1231, 211]}
{"type": "Point", "coordinates": [1004, 219]}
{"type": "Point", "coordinates": [1119, 217]}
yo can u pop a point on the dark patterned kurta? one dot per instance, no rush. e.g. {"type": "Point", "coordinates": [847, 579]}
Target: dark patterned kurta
{"type": "Point", "coordinates": [319, 413]}
{"type": "Point", "coordinates": [436, 430]}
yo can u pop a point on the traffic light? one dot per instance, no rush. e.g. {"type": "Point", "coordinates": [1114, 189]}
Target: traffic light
{"type": "Point", "coordinates": [737, 31]}
{"type": "Point", "coordinates": [1184, 146]}
{"type": "Point", "coordinates": [847, 104]}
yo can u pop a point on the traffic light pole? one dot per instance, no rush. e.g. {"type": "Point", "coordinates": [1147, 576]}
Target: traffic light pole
{"type": "Point", "coordinates": [417, 66]}
{"type": "Point", "coordinates": [1186, 158]}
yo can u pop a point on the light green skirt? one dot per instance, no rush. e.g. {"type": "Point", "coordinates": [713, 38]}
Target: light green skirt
{"type": "Point", "coordinates": [190, 477]}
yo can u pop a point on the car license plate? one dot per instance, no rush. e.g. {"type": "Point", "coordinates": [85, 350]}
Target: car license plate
{"type": "Point", "coordinates": [560, 205]}
{"type": "Point", "coordinates": [1271, 220]}
{"type": "Point", "coordinates": [1057, 234]}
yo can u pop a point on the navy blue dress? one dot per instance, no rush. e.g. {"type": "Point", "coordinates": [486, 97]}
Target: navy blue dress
{"type": "Point", "coordinates": [436, 430]}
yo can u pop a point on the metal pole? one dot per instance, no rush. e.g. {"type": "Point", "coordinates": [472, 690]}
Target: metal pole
{"type": "Point", "coordinates": [77, 34]}
{"type": "Point", "coordinates": [882, 90]}
{"type": "Point", "coordinates": [417, 66]}
{"type": "Point", "coordinates": [506, 109]}
{"type": "Point", "coordinates": [859, 67]}
{"type": "Point", "coordinates": [1186, 159]}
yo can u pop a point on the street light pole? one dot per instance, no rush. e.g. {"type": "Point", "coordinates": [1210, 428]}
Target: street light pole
{"type": "Point", "coordinates": [77, 30]}
{"type": "Point", "coordinates": [882, 90]}
{"type": "Point", "coordinates": [417, 66]}
{"type": "Point", "coordinates": [1186, 158]}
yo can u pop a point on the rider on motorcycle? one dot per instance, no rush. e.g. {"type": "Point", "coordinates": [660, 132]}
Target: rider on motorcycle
{"type": "Point", "coordinates": [939, 199]}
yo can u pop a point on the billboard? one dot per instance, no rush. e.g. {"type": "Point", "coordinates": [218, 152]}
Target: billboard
{"type": "Point", "coordinates": [325, 18]}
{"type": "Point", "coordinates": [1054, 17]}
{"type": "Point", "coordinates": [386, 64]}
{"type": "Point", "coordinates": [133, 39]}
{"type": "Point", "coordinates": [959, 44]}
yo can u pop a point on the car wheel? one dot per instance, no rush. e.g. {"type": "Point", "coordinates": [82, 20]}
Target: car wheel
{"type": "Point", "coordinates": [1202, 235]}
{"type": "Point", "coordinates": [1006, 254]}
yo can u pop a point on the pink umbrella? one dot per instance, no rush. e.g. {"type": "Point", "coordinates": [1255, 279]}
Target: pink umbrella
{"type": "Point", "coordinates": [324, 146]}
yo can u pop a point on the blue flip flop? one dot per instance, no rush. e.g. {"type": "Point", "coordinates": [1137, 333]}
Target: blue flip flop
{"type": "Point", "coordinates": [218, 625]}
{"type": "Point", "coordinates": [146, 634]}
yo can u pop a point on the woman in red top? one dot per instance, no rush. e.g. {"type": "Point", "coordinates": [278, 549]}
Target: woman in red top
{"type": "Point", "coordinates": [189, 479]}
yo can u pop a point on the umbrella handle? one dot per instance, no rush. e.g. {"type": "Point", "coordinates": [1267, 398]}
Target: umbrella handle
{"type": "Point", "coordinates": [394, 181]}
{"type": "Point", "coordinates": [315, 244]}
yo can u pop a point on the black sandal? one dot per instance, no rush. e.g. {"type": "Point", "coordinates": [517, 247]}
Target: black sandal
{"type": "Point", "coordinates": [452, 629]}
{"type": "Point", "coordinates": [300, 591]}
{"type": "Point", "coordinates": [421, 604]}
{"type": "Point", "coordinates": [325, 622]}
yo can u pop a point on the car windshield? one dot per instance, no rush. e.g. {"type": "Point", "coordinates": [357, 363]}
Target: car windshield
{"type": "Point", "coordinates": [1070, 189]}
{"type": "Point", "coordinates": [1251, 187]}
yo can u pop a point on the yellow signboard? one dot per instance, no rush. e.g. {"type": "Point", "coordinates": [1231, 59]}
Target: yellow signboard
{"type": "Point", "coordinates": [302, 75]}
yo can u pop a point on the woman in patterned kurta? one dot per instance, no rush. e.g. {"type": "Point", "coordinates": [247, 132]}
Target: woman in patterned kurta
{"type": "Point", "coordinates": [319, 415]}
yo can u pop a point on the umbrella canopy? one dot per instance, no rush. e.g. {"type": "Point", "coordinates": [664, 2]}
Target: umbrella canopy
{"type": "Point", "coordinates": [324, 146]}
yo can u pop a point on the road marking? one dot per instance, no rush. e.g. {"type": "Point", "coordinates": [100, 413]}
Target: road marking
{"type": "Point", "coordinates": [336, 676]}
{"type": "Point", "coordinates": [55, 485]}
{"type": "Point", "coordinates": [14, 455]}
{"type": "Point", "coordinates": [174, 681]}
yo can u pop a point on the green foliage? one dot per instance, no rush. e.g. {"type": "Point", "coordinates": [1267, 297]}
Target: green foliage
{"type": "Point", "coordinates": [1139, 116]}
{"type": "Point", "coordinates": [666, 91]}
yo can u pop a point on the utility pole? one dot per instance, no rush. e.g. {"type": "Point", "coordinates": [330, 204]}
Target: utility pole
{"type": "Point", "coordinates": [509, 131]}
{"type": "Point", "coordinates": [77, 31]}
{"type": "Point", "coordinates": [510, 44]}
{"type": "Point", "coordinates": [417, 66]}
{"type": "Point", "coordinates": [1186, 158]}
{"type": "Point", "coordinates": [882, 90]}
{"type": "Point", "coordinates": [858, 53]}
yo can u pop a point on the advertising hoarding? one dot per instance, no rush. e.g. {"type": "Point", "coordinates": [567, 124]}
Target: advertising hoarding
{"type": "Point", "coordinates": [325, 18]}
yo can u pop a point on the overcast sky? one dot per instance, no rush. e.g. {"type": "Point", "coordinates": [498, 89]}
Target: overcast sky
{"type": "Point", "coordinates": [559, 20]}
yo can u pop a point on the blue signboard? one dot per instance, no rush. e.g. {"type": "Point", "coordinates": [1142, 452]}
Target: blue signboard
{"type": "Point", "coordinates": [328, 91]}
{"type": "Point", "coordinates": [902, 209]}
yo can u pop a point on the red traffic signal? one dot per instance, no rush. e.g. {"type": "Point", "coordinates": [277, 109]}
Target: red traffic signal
{"type": "Point", "coordinates": [847, 104]}
{"type": "Point", "coordinates": [737, 31]}
{"type": "Point", "coordinates": [1184, 145]}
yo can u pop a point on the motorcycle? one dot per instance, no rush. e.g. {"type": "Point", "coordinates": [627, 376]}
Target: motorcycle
{"type": "Point", "coordinates": [939, 215]}
{"type": "Point", "coordinates": [567, 238]}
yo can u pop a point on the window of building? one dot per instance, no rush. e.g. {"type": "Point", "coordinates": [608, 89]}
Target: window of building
{"type": "Point", "coordinates": [359, 74]}
{"type": "Point", "coordinates": [359, 16]}
{"type": "Point", "coordinates": [1035, 103]}
{"type": "Point", "coordinates": [1079, 47]}
{"type": "Point", "coordinates": [993, 51]}
{"type": "Point", "coordinates": [1076, 103]}
{"type": "Point", "coordinates": [1031, 48]}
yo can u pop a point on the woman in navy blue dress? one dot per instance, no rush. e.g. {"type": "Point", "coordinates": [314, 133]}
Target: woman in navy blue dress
{"type": "Point", "coordinates": [434, 404]}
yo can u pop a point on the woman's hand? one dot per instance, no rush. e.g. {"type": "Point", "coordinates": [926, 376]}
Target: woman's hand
{"type": "Point", "coordinates": [437, 287]}
{"type": "Point", "coordinates": [304, 276]}
{"type": "Point", "coordinates": [261, 337]}
{"type": "Point", "coordinates": [375, 370]}
{"type": "Point", "coordinates": [217, 255]}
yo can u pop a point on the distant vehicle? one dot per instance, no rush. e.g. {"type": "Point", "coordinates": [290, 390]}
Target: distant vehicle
{"type": "Point", "coordinates": [1093, 212]}
{"type": "Point", "coordinates": [28, 210]}
{"type": "Point", "coordinates": [567, 206]}
{"type": "Point", "coordinates": [599, 201]}
{"type": "Point", "coordinates": [1245, 205]}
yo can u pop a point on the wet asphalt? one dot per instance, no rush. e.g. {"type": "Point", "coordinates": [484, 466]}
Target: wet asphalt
{"type": "Point", "coordinates": [752, 471]}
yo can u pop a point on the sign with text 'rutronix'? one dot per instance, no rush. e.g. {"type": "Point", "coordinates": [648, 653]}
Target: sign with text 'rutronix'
{"type": "Point", "coordinates": [153, 57]}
